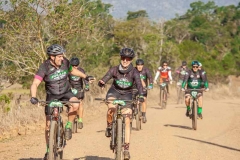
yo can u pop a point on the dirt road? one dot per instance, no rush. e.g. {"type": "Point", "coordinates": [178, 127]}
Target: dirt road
{"type": "Point", "coordinates": [166, 135]}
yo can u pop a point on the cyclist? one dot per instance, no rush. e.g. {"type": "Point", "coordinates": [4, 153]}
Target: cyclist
{"type": "Point", "coordinates": [145, 76]}
{"type": "Point", "coordinates": [194, 79]}
{"type": "Point", "coordinates": [124, 76]}
{"type": "Point", "coordinates": [180, 73]}
{"type": "Point", "coordinates": [165, 74]}
{"type": "Point", "coordinates": [77, 88]}
{"type": "Point", "coordinates": [54, 72]}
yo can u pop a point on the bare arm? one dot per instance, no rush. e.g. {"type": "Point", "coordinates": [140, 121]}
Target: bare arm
{"type": "Point", "coordinates": [78, 73]}
{"type": "Point", "coordinates": [34, 87]}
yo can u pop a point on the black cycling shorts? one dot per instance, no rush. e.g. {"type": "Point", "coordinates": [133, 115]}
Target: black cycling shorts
{"type": "Point", "coordinates": [135, 92]}
{"type": "Point", "coordinates": [115, 94]}
{"type": "Point", "coordinates": [80, 94]}
{"type": "Point", "coordinates": [62, 97]}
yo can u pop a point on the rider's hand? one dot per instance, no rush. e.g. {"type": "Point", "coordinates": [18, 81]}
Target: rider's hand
{"type": "Point", "coordinates": [101, 83]}
{"type": "Point", "coordinates": [206, 89]}
{"type": "Point", "coordinates": [86, 87]}
{"type": "Point", "coordinates": [90, 79]}
{"type": "Point", "coordinates": [183, 90]}
{"type": "Point", "coordinates": [141, 98]}
{"type": "Point", "coordinates": [155, 81]}
{"type": "Point", "coordinates": [150, 86]}
{"type": "Point", "coordinates": [34, 100]}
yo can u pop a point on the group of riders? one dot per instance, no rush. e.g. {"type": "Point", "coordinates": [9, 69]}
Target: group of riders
{"type": "Point", "coordinates": [65, 80]}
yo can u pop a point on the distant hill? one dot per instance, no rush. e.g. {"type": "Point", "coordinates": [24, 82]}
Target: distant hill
{"type": "Point", "coordinates": [157, 9]}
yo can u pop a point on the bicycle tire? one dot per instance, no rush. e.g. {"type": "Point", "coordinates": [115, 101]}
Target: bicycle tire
{"type": "Point", "coordinates": [194, 114]}
{"type": "Point", "coordinates": [164, 94]}
{"type": "Point", "coordinates": [160, 97]}
{"type": "Point", "coordinates": [119, 139]}
{"type": "Point", "coordinates": [138, 119]}
{"type": "Point", "coordinates": [179, 95]}
{"type": "Point", "coordinates": [53, 141]}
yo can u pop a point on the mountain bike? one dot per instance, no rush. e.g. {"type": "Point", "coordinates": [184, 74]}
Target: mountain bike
{"type": "Point", "coordinates": [57, 139]}
{"type": "Point", "coordinates": [163, 94]}
{"type": "Point", "coordinates": [118, 127]}
{"type": "Point", "coordinates": [194, 103]}
{"type": "Point", "coordinates": [180, 94]}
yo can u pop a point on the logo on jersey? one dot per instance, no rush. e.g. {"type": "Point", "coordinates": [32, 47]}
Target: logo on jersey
{"type": "Point", "coordinates": [59, 74]}
{"type": "Point", "coordinates": [194, 83]}
{"type": "Point", "coordinates": [75, 78]}
{"type": "Point", "coordinates": [142, 76]}
{"type": "Point", "coordinates": [123, 83]}
{"type": "Point", "coordinates": [183, 72]}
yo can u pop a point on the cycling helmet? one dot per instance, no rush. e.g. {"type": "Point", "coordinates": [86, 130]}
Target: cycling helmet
{"type": "Point", "coordinates": [127, 52]}
{"type": "Point", "coordinates": [195, 63]}
{"type": "Point", "coordinates": [184, 63]}
{"type": "Point", "coordinates": [74, 61]}
{"type": "Point", "coordinates": [200, 64]}
{"type": "Point", "coordinates": [139, 62]}
{"type": "Point", "coordinates": [55, 50]}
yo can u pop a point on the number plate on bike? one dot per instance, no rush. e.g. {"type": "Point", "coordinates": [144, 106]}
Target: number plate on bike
{"type": "Point", "coordinates": [55, 104]}
{"type": "Point", "coordinates": [120, 102]}
{"type": "Point", "coordinates": [163, 84]}
{"type": "Point", "coordinates": [194, 93]}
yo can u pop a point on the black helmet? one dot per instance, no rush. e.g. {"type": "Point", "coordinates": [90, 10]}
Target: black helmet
{"type": "Point", "coordinates": [195, 63]}
{"type": "Point", "coordinates": [184, 63]}
{"type": "Point", "coordinates": [74, 61]}
{"type": "Point", "coordinates": [139, 62]}
{"type": "Point", "coordinates": [55, 50]}
{"type": "Point", "coordinates": [127, 52]}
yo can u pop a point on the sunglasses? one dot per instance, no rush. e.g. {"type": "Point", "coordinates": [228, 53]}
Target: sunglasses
{"type": "Point", "coordinates": [194, 66]}
{"type": "Point", "coordinates": [165, 65]}
{"type": "Point", "coordinates": [126, 58]}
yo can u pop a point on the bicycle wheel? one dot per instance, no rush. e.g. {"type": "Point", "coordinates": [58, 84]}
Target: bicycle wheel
{"type": "Point", "coordinates": [179, 95]}
{"type": "Point", "coordinates": [194, 114]}
{"type": "Point", "coordinates": [160, 97]}
{"type": "Point", "coordinates": [62, 141]}
{"type": "Point", "coordinates": [119, 139]}
{"type": "Point", "coordinates": [138, 118]}
{"type": "Point", "coordinates": [75, 125]}
{"type": "Point", "coordinates": [53, 155]}
{"type": "Point", "coordinates": [164, 100]}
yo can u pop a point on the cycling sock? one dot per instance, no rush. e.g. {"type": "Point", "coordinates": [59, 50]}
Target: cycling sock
{"type": "Point", "coordinates": [143, 114]}
{"type": "Point", "coordinates": [47, 148]}
{"type": "Point", "coordinates": [126, 146]}
{"type": "Point", "coordinates": [79, 119]}
{"type": "Point", "coordinates": [199, 110]}
{"type": "Point", "coordinates": [188, 108]}
{"type": "Point", "coordinates": [68, 125]}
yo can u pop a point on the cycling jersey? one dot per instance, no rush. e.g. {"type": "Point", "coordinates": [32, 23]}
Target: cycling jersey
{"type": "Point", "coordinates": [123, 80]}
{"type": "Point", "coordinates": [56, 79]}
{"type": "Point", "coordinates": [77, 82]}
{"type": "Point", "coordinates": [194, 80]}
{"type": "Point", "coordinates": [146, 75]}
{"type": "Point", "coordinates": [165, 73]}
{"type": "Point", "coordinates": [181, 72]}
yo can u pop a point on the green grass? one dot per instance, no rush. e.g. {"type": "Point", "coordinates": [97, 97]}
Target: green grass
{"type": "Point", "coordinates": [21, 91]}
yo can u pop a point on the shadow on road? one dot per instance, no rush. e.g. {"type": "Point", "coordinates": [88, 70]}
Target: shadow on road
{"type": "Point", "coordinates": [30, 159]}
{"type": "Point", "coordinates": [178, 126]}
{"type": "Point", "coordinates": [214, 144]}
{"type": "Point", "coordinates": [92, 158]}
{"type": "Point", "coordinates": [100, 131]}
{"type": "Point", "coordinates": [159, 108]}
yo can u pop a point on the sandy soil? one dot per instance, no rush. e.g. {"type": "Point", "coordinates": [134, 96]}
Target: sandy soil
{"type": "Point", "coordinates": [166, 135]}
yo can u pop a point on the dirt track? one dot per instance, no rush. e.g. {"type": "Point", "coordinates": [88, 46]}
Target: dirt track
{"type": "Point", "coordinates": [167, 135]}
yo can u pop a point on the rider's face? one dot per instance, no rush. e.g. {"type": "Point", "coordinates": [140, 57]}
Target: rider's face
{"type": "Point", "coordinates": [57, 59]}
{"type": "Point", "coordinates": [125, 61]}
{"type": "Point", "coordinates": [139, 67]}
{"type": "Point", "coordinates": [164, 65]}
{"type": "Point", "coordinates": [195, 68]}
